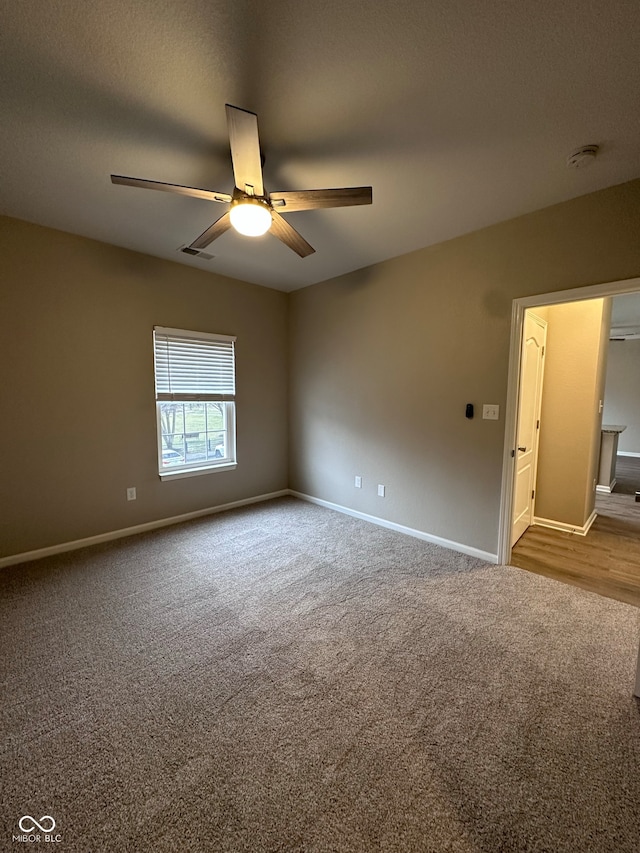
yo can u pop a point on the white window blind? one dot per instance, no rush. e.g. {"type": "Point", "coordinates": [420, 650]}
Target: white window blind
{"type": "Point", "coordinates": [194, 365]}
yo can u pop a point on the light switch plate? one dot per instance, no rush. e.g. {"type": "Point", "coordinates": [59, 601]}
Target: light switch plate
{"type": "Point", "coordinates": [490, 412]}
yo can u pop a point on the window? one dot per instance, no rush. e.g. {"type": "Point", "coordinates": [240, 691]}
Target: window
{"type": "Point", "coordinates": [195, 401]}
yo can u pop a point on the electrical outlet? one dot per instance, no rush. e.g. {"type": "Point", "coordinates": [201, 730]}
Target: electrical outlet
{"type": "Point", "coordinates": [380, 490]}
{"type": "Point", "coordinates": [358, 482]}
{"type": "Point", "coordinates": [490, 412]}
{"type": "Point", "coordinates": [131, 493]}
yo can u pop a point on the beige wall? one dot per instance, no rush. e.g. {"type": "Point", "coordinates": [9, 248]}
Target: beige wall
{"type": "Point", "coordinates": [383, 361]}
{"type": "Point", "coordinates": [78, 416]}
{"type": "Point", "coordinates": [381, 364]}
{"type": "Point", "coordinates": [622, 392]}
{"type": "Point", "coordinates": [575, 363]}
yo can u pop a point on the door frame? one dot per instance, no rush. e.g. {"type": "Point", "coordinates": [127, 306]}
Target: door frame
{"type": "Point", "coordinates": [518, 308]}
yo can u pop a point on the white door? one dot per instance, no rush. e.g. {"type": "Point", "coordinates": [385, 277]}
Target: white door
{"type": "Point", "coordinates": [526, 451]}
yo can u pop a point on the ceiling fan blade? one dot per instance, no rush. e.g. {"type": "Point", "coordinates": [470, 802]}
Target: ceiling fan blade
{"type": "Point", "coordinates": [212, 233]}
{"type": "Point", "coordinates": [245, 150]}
{"type": "Point", "coordinates": [312, 199]}
{"type": "Point", "coordinates": [281, 229]}
{"type": "Point", "coordinates": [209, 195]}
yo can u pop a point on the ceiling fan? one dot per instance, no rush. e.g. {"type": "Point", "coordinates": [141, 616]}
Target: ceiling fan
{"type": "Point", "coordinates": [253, 211]}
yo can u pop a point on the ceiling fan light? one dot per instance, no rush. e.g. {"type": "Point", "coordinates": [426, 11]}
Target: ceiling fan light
{"type": "Point", "coordinates": [250, 217]}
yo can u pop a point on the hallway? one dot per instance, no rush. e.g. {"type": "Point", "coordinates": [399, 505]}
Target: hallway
{"type": "Point", "coordinates": [607, 559]}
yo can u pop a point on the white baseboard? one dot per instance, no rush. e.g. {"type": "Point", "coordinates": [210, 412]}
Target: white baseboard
{"type": "Point", "coordinates": [131, 531]}
{"type": "Point", "coordinates": [627, 453]}
{"type": "Point", "coordinates": [37, 554]}
{"type": "Point", "coordinates": [400, 528]}
{"type": "Point", "coordinates": [606, 490]}
{"type": "Point", "coordinates": [567, 528]}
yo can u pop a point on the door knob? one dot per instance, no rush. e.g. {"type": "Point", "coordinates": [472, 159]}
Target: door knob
{"type": "Point", "coordinates": [522, 449]}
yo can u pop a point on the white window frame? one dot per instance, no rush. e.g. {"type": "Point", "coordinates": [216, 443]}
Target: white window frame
{"type": "Point", "coordinates": [202, 386]}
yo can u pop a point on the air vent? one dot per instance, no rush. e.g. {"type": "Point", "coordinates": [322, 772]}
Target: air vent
{"type": "Point", "coordinates": [187, 250]}
{"type": "Point", "coordinates": [624, 333]}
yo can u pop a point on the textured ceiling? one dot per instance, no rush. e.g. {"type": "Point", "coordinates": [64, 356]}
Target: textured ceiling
{"type": "Point", "coordinates": [459, 114]}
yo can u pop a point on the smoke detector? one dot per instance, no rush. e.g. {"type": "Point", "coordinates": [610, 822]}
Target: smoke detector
{"type": "Point", "coordinates": [582, 156]}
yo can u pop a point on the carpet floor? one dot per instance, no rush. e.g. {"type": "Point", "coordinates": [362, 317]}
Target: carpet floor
{"type": "Point", "coordinates": [627, 475]}
{"type": "Point", "coordinates": [285, 678]}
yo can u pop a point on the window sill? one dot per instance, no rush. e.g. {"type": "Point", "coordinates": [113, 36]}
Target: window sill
{"type": "Point", "coordinates": [196, 472]}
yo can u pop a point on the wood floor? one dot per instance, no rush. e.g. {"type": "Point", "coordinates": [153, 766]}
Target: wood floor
{"type": "Point", "coordinates": [607, 559]}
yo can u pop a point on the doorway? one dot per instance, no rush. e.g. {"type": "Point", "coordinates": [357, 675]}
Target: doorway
{"type": "Point", "coordinates": [519, 309]}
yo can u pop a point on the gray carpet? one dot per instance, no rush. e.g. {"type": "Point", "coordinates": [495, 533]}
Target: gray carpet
{"type": "Point", "coordinates": [285, 678]}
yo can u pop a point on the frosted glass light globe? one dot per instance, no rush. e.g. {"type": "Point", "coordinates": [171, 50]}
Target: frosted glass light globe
{"type": "Point", "coordinates": [251, 217]}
